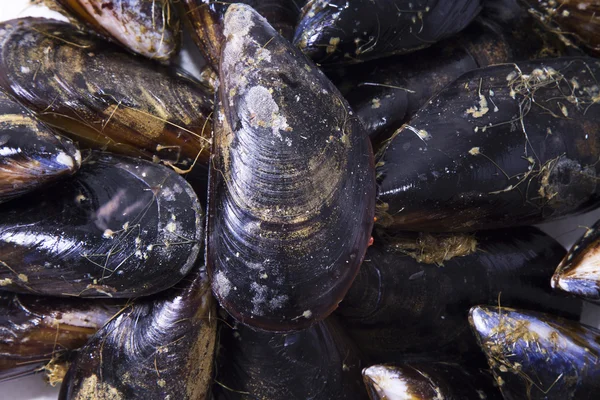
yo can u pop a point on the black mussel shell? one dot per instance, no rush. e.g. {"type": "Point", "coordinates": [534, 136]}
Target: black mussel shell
{"type": "Point", "coordinates": [102, 96]}
{"type": "Point", "coordinates": [318, 363]}
{"type": "Point", "coordinates": [579, 271]}
{"type": "Point", "coordinates": [505, 145]}
{"type": "Point", "coordinates": [31, 154]}
{"type": "Point", "coordinates": [146, 27]}
{"type": "Point", "coordinates": [157, 348]}
{"type": "Point", "coordinates": [205, 19]}
{"type": "Point", "coordinates": [292, 186]}
{"type": "Point", "coordinates": [428, 381]}
{"type": "Point", "coordinates": [538, 356]}
{"type": "Point", "coordinates": [342, 31]}
{"type": "Point", "coordinates": [398, 305]}
{"type": "Point", "coordinates": [576, 22]}
{"type": "Point", "coordinates": [386, 93]}
{"type": "Point", "coordinates": [37, 330]}
{"type": "Point", "coordinates": [122, 227]}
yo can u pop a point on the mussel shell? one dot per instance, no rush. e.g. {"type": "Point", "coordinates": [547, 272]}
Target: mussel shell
{"type": "Point", "coordinates": [205, 18]}
{"type": "Point", "coordinates": [341, 31]}
{"type": "Point", "coordinates": [146, 27]}
{"type": "Point", "coordinates": [576, 22]}
{"type": "Point", "coordinates": [318, 363]}
{"type": "Point", "coordinates": [122, 227]}
{"type": "Point", "coordinates": [157, 348]}
{"type": "Point", "coordinates": [291, 183]}
{"type": "Point", "coordinates": [399, 306]}
{"type": "Point", "coordinates": [36, 330]}
{"type": "Point", "coordinates": [579, 271]}
{"type": "Point", "coordinates": [538, 356]}
{"type": "Point", "coordinates": [102, 96]}
{"type": "Point", "coordinates": [502, 146]}
{"type": "Point", "coordinates": [428, 381]}
{"type": "Point", "coordinates": [31, 154]}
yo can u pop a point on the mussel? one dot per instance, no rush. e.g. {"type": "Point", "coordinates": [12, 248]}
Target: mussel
{"type": "Point", "coordinates": [205, 19]}
{"type": "Point", "coordinates": [579, 271]}
{"type": "Point", "coordinates": [35, 331]}
{"type": "Point", "coordinates": [122, 227]}
{"type": "Point", "coordinates": [387, 93]}
{"type": "Point", "coordinates": [399, 306]}
{"type": "Point", "coordinates": [31, 154]}
{"type": "Point", "coordinates": [350, 31]}
{"type": "Point", "coordinates": [505, 145]}
{"type": "Point", "coordinates": [318, 363]}
{"type": "Point", "coordinates": [538, 356]}
{"type": "Point", "coordinates": [146, 27]}
{"type": "Point", "coordinates": [576, 22]}
{"type": "Point", "coordinates": [428, 381]}
{"type": "Point", "coordinates": [157, 348]}
{"type": "Point", "coordinates": [102, 96]}
{"type": "Point", "coordinates": [291, 197]}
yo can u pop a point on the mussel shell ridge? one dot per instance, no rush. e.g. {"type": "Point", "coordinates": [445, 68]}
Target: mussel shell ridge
{"type": "Point", "coordinates": [291, 197]}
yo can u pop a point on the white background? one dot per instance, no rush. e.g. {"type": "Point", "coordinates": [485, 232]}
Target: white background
{"type": "Point", "coordinates": [34, 388]}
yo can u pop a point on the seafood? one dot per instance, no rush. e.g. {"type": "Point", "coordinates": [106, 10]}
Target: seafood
{"type": "Point", "coordinates": [342, 31]}
{"type": "Point", "coordinates": [35, 331]}
{"type": "Point", "coordinates": [318, 363]}
{"type": "Point", "coordinates": [576, 22]}
{"type": "Point", "coordinates": [428, 381]}
{"type": "Point", "coordinates": [291, 197]}
{"type": "Point", "coordinates": [31, 154]}
{"type": "Point", "coordinates": [101, 96]}
{"type": "Point", "coordinates": [399, 306]}
{"type": "Point", "coordinates": [122, 227]}
{"type": "Point", "coordinates": [387, 93]}
{"type": "Point", "coordinates": [205, 20]}
{"type": "Point", "coordinates": [538, 356]}
{"type": "Point", "coordinates": [157, 348]}
{"type": "Point", "coordinates": [503, 145]}
{"type": "Point", "coordinates": [579, 271]}
{"type": "Point", "coordinates": [146, 27]}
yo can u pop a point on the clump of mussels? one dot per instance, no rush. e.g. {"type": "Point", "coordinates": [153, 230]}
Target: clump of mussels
{"type": "Point", "coordinates": [121, 227]}
{"type": "Point", "coordinates": [291, 197]}
{"type": "Point", "coordinates": [101, 96]}
{"type": "Point", "coordinates": [32, 155]}
{"type": "Point", "coordinates": [291, 206]}
{"type": "Point", "coordinates": [146, 27]}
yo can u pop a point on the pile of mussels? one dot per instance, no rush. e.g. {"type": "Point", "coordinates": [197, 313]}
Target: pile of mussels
{"type": "Point", "coordinates": [369, 170]}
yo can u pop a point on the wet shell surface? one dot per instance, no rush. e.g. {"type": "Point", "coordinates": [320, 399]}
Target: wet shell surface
{"type": "Point", "coordinates": [37, 330]}
{"type": "Point", "coordinates": [205, 19]}
{"type": "Point", "coordinates": [398, 305]}
{"type": "Point", "coordinates": [31, 154]}
{"type": "Point", "coordinates": [538, 356]}
{"type": "Point", "coordinates": [146, 27]}
{"type": "Point", "coordinates": [428, 381]}
{"type": "Point", "coordinates": [579, 272]}
{"type": "Point", "coordinates": [121, 227]}
{"type": "Point", "coordinates": [340, 31]}
{"type": "Point", "coordinates": [102, 96]}
{"type": "Point", "coordinates": [318, 363]}
{"type": "Point", "coordinates": [505, 145]}
{"type": "Point", "coordinates": [157, 348]}
{"type": "Point", "coordinates": [292, 186]}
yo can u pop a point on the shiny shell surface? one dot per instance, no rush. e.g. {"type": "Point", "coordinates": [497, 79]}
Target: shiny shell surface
{"type": "Point", "coordinates": [291, 194]}
{"type": "Point", "coordinates": [121, 227]}
{"type": "Point", "coordinates": [102, 96]}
